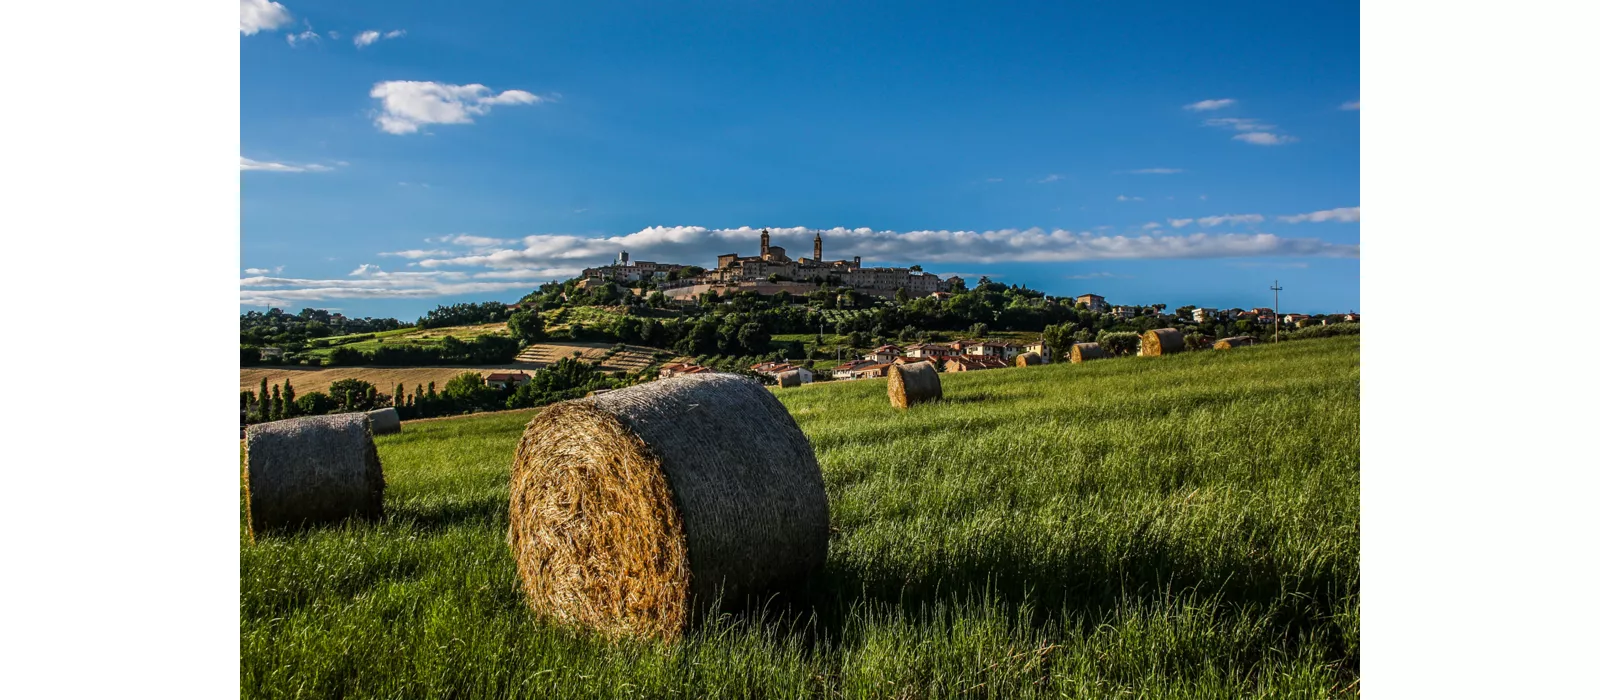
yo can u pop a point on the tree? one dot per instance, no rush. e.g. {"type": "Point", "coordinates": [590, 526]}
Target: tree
{"type": "Point", "coordinates": [352, 394]}
{"type": "Point", "coordinates": [1058, 338]}
{"type": "Point", "coordinates": [314, 403]}
{"type": "Point", "coordinates": [276, 409]}
{"type": "Point", "coordinates": [264, 403]}
{"type": "Point", "coordinates": [526, 326]}
{"type": "Point", "coordinates": [288, 399]}
{"type": "Point", "coordinates": [978, 330]}
{"type": "Point", "coordinates": [400, 396]}
{"type": "Point", "coordinates": [916, 268]}
{"type": "Point", "coordinates": [247, 403]}
{"type": "Point", "coordinates": [901, 296]}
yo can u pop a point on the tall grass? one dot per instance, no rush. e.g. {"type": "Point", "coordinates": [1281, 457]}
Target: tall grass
{"type": "Point", "coordinates": [1183, 526]}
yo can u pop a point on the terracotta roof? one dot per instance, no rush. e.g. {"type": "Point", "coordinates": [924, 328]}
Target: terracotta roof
{"type": "Point", "coordinates": [505, 376]}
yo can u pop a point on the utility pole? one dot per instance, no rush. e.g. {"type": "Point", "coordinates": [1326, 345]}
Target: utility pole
{"type": "Point", "coordinates": [1275, 290]}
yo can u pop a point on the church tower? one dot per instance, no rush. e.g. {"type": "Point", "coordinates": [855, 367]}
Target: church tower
{"type": "Point", "coordinates": [816, 248]}
{"type": "Point", "coordinates": [766, 241]}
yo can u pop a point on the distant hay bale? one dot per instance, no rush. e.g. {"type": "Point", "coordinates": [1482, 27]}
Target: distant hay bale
{"type": "Point", "coordinates": [384, 421]}
{"type": "Point", "coordinates": [789, 379]}
{"type": "Point", "coordinates": [1162, 341]}
{"type": "Point", "coordinates": [316, 469]}
{"type": "Point", "coordinates": [1234, 342]}
{"type": "Point", "coordinates": [1083, 352]}
{"type": "Point", "coordinates": [633, 510]}
{"type": "Point", "coordinates": [1029, 359]}
{"type": "Point", "coordinates": [913, 383]}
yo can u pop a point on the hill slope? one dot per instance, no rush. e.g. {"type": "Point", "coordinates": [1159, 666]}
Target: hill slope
{"type": "Point", "coordinates": [1174, 526]}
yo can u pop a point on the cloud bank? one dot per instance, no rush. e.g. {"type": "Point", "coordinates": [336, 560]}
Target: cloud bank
{"type": "Point", "coordinates": [262, 15]}
{"type": "Point", "coordinates": [407, 105]}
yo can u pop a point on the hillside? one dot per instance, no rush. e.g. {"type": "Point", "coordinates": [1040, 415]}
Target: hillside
{"type": "Point", "coordinates": [1179, 526]}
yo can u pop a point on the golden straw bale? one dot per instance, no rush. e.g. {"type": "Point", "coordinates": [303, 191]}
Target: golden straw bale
{"type": "Point", "coordinates": [1083, 352]}
{"type": "Point", "coordinates": [789, 379]}
{"type": "Point", "coordinates": [632, 511]}
{"type": "Point", "coordinates": [1234, 342]}
{"type": "Point", "coordinates": [913, 383]}
{"type": "Point", "coordinates": [310, 470]}
{"type": "Point", "coordinates": [1029, 359]}
{"type": "Point", "coordinates": [384, 421]}
{"type": "Point", "coordinates": [1162, 341]}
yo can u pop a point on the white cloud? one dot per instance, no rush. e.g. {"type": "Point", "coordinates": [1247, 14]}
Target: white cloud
{"type": "Point", "coordinates": [1208, 105]}
{"type": "Point", "coordinates": [1150, 226]}
{"type": "Point", "coordinates": [248, 164]}
{"type": "Point", "coordinates": [1179, 223]}
{"type": "Point", "coordinates": [700, 245]}
{"type": "Point", "coordinates": [1342, 215]}
{"type": "Point", "coordinates": [1209, 221]}
{"type": "Point", "coordinates": [1265, 138]}
{"type": "Point", "coordinates": [1157, 171]}
{"type": "Point", "coordinates": [1052, 177]}
{"type": "Point", "coordinates": [1238, 124]}
{"type": "Point", "coordinates": [302, 37]}
{"type": "Point", "coordinates": [333, 34]}
{"type": "Point", "coordinates": [1126, 198]}
{"type": "Point", "coordinates": [257, 271]}
{"type": "Point", "coordinates": [408, 105]}
{"type": "Point", "coordinates": [374, 283]}
{"type": "Point", "coordinates": [262, 15]}
{"type": "Point", "coordinates": [417, 254]}
{"type": "Point", "coordinates": [371, 36]}
{"type": "Point", "coordinates": [1353, 105]}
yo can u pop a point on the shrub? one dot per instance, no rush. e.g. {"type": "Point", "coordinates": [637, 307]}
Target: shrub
{"type": "Point", "coordinates": [1118, 343]}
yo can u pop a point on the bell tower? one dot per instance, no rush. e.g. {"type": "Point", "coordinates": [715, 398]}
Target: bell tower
{"type": "Point", "coordinates": [816, 247]}
{"type": "Point", "coordinates": [766, 241]}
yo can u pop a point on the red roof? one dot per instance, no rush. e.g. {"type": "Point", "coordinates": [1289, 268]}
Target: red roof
{"type": "Point", "coordinates": [505, 377]}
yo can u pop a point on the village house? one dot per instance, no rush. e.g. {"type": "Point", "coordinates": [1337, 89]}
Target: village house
{"type": "Point", "coordinates": [929, 350]}
{"type": "Point", "coordinates": [1124, 312]}
{"type": "Point", "coordinates": [1295, 318]}
{"type": "Point", "coordinates": [885, 353]}
{"type": "Point", "coordinates": [773, 369]}
{"type": "Point", "coordinates": [972, 363]}
{"type": "Point", "coordinates": [1094, 302]}
{"type": "Point", "coordinates": [1204, 315]}
{"type": "Point", "coordinates": [870, 371]}
{"type": "Point", "coordinates": [847, 370]}
{"type": "Point", "coordinates": [507, 380]}
{"type": "Point", "coordinates": [681, 368]}
{"type": "Point", "coordinates": [1040, 347]}
{"type": "Point", "coordinates": [993, 348]}
{"type": "Point", "coordinates": [1352, 317]}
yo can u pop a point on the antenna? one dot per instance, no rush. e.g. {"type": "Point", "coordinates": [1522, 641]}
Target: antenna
{"type": "Point", "coordinates": [1275, 289]}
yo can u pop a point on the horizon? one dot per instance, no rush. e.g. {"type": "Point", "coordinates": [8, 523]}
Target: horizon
{"type": "Point", "coordinates": [400, 156]}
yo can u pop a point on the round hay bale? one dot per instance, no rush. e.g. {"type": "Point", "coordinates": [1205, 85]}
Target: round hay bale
{"type": "Point", "coordinates": [384, 421]}
{"type": "Point", "coordinates": [1083, 352]}
{"type": "Point", "coordinates": [1162, 341]}
{"type": "Point", "coordinates": [632, 511]}
{"type": "Point", "coordinates": [914, 383]}
{"type": "Point", "coordinates": [310, 470]}
{"type": "Point", "coordinates": [1235, 342]}
{"type": "Point", "coordinates": [1030, 359]}
{"type": "Point", "coordinates": [789, 379]}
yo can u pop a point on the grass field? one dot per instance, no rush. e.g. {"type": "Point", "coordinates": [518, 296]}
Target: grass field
{"type": "Point", "coordinates": [320, 378]}
{"type": "Point", "coordinates": [1183, 526]}
{"type": "Point", "coordinates": [406, 336]}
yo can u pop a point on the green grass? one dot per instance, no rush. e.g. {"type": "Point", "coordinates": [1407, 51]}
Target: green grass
{"type": "Point", "coordinates": [1183, 526]}
{"type": "Point", "coordinates": [398, 337]}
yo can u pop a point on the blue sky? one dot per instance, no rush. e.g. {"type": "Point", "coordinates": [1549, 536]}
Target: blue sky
{"type": "Point", "coordinates": [400, 155]}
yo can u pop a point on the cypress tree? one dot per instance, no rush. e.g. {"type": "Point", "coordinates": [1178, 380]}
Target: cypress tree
{"type": "Point", "coordinates": [247, 403]}
{"type": "Point", "coordinates": [399, 396]}
{"type": "Point", "coordinates": [288, 399]}
{"type": "Point", "coordinates": [372, 397]}
{"type": "Point", "coordinates": [277, 404]}
{"type": "Point", "coordinates": [263, 401]}
{"type": "Point", "coordinates": [350, 399]}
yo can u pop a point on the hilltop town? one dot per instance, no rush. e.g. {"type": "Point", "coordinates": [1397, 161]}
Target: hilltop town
{"type": "Point", "coordinates": [769, 272]}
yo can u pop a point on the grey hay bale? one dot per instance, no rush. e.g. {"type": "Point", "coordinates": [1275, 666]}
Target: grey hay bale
{"type": "Point", "coordinates": [913, 383]}
{"type": "Point", "coordinates": [1162, 341]}
{"type": "Point", "coordinates": [789, 379]}
{"type": "Point", "coordinates": [1083, 352]}
{"type": "Point", "coordinates": [632, 511]}
{"type": "Point", "coordinates": [1234, 342]}
{"type": "Point", "coordinates": [384, 421]}
{"type": "Point", "coordinates": [1030, 359]}
{"type": "Point", "coordinates": [316, 469]}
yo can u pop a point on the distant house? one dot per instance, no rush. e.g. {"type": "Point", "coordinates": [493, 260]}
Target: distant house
{"type": "Point", "coordinates": [885, 353]}
{"type": "Point", "coordinates": [1094, 302]}
{"type": "Point", "coordinates": [932, 350]}
{"type": "Point", "coordinates": [1040, 347]}
{"type": "Point", "coordinates": [907, 360]}
{"type": "Point", "coordinates": [1295, 318]}
{"type": "Point", "coordinates": [507, 380]}
{"type": "Point", "coordinates": [1203, 315]}
{"type": "Point", "coordinates": [991, 348]}
{"type": "Point", "coordinates": [1125, 311]}
{"type": "Point", "coordinates": [1352, 317]}
{"type": "Point", "coordinates": [941, 296]}
{"type": "Point", "coordinates": [972, 363]}
{"type": "Point", "coordinates": [870, 371]}
{"type": "Point", "coordinates": [681, 368]}
{"type": "Point", "coordinates": [773, 369]}
{"type": "Point", "coordinates": [848, 369]}
{"type": "Point", "coordinates": [271, 353]}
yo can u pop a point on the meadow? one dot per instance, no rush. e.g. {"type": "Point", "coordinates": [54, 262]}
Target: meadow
{"type": "Point", "coordinates": [1181, 526]}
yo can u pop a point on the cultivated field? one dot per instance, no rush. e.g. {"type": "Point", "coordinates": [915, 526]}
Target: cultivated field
{"type": "Point", "coordinates": [1183, 526]}
{"type": "Point", "coordinates": [320, 378]}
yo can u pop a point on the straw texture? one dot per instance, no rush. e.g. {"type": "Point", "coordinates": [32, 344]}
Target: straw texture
{"type": "Point", "coordinates": [1162, 341]}
{"type": "Point", "coordinates": [384, 421]}
{"type": "Point", "coordinates": [913, 383]}
{"type": "Point", "coordinates": [1234, 342]}
{"type": "Point", "coordinates": [310, 470]}
{"type": "Point", "coordinates": [1030, 359]}
{"type": "Point", "coordinates": [633, 510]}
{"type": "Point", "coordinates": [789, 379]}
{"type": "Point", "coordinates": [1083, 352]}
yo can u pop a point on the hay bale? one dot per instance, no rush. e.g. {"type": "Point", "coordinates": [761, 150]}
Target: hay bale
{"type": "Point", "coordinates": [1235, 342]}
{"type": "Point", "coordinates": [913, 383]}
{"type": "Point", "coordinates": [1030, 359]}
{"type": "Point", "coordinates": [384, 421]}
{"type": "Point", "coordinates": [789, 379]}
{"type": "Point", "coordinates": [1162, 341]}
{"type": "Point", "coordinates": [631, 511]}
{"type": "Point", "coordinates": [1083, 352]}
{"type": "Point", "coordinates": [310, 470]}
